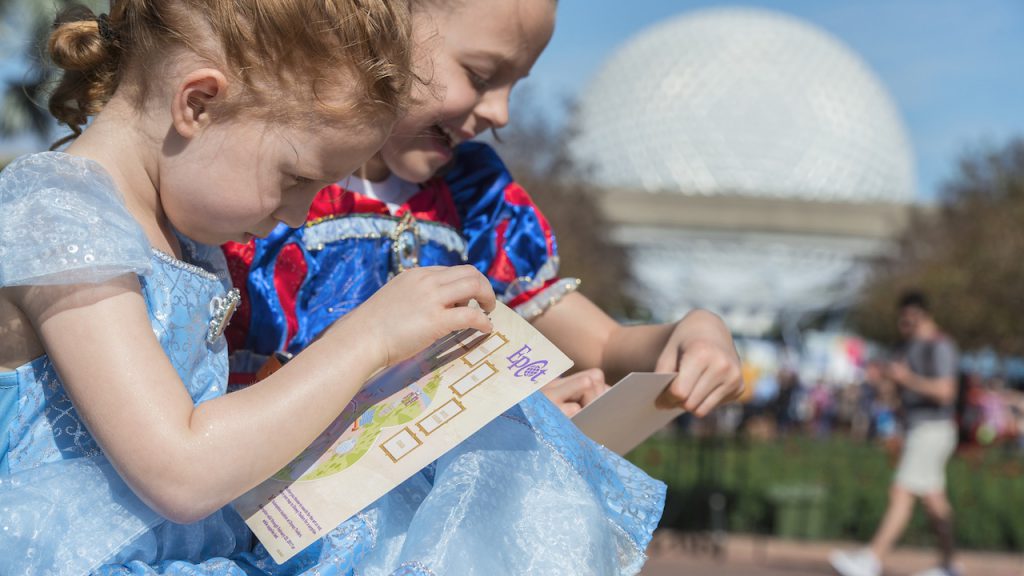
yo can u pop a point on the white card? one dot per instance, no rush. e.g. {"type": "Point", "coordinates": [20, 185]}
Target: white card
{"type": "Point", "coordinates": [625, 415]}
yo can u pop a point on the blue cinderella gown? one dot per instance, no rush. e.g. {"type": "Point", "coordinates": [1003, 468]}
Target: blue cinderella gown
{"type": "Point", "coordinates": [525, 495]}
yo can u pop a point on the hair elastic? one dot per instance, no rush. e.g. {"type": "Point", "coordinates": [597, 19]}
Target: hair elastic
{"type": "Point", "coordinates": [107, 32]}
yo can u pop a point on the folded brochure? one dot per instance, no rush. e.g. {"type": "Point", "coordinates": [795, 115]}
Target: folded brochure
{"type": "Point", "coordinates": [399, 422]}
{"type": "Point", "coordinates": [625, 415]}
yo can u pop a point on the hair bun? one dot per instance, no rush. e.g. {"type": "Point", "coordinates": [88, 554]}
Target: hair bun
{"type": "Point", "coordinates": [79, 46]}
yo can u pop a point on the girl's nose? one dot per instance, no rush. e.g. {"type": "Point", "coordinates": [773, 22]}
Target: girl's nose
{"type": "Point", "coordinates": [494, 108]}
{"type": "Point", "coordinates": [294, 211]}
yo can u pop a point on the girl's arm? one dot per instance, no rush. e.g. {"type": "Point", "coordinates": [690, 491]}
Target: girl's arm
{"type": "Point", "coordinates": [699, 347]}
{"type": "Point", "coordinates": [187, 461]}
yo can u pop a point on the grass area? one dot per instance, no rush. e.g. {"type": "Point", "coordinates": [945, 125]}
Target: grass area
{"type": "Point", "coordinates": [829, 488]}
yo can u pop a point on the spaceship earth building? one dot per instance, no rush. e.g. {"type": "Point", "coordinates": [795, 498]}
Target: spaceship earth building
{"type": "Point", "coordinates": [752, 164]}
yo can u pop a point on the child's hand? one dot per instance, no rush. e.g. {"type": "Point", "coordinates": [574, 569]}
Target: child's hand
{"type": "Point", "coordinates": [572, 393]}
{"type": "Point", "coordinates": [419, 306]}
{"type": "Point", "coordinates": [701, 350]}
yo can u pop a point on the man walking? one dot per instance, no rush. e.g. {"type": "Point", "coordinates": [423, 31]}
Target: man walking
{"type": "Point", "coordinates": [927, 379]}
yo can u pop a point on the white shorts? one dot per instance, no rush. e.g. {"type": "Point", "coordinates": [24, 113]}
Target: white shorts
{"type": "Point", "coordinates": [926, 450]}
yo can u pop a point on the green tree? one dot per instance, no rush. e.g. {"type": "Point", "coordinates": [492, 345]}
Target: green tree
{"type": "Point", "coordinates": [26, 25]}
{"type": "Point", "coordinates": [967, 254]}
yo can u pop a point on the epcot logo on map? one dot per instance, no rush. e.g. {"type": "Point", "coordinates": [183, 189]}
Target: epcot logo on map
{"type": "Point", "coordinates": [522, 366]}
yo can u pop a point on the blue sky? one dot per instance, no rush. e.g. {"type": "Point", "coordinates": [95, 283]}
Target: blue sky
{"type": "Point", "coordinates": [955, 68]}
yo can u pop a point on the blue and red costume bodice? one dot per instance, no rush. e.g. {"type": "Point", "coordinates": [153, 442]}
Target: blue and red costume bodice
{"type": "Point", "coordinates": [298, 281]}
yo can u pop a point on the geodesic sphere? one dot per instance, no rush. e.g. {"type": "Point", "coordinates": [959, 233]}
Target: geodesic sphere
{"type": "Point", "coordinates": [743, 102]}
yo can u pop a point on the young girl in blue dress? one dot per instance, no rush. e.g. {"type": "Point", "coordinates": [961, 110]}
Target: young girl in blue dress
{"type": "Point", "coordinates": [212, 121]}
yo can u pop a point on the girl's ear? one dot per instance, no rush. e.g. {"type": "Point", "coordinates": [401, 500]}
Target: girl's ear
{"type": "Point", "coordinates": [190, 109]}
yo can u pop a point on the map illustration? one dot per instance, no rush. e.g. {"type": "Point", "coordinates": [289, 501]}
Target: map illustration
{"type": "Point", "coordinates": [354, 433]}
{"type": "Point", "coordinates": [402, 420]}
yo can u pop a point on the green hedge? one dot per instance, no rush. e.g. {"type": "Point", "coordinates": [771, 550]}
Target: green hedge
{"type": "Point", "coordinates": [851, 480]}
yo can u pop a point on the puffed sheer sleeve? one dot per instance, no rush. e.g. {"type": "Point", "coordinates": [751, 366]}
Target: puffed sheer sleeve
{"type": "Point", "coordinates": [62, 221]}
{"type": "Point", "coordinates": [507, 236]}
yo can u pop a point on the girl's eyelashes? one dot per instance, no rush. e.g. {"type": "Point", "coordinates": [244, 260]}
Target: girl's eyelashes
{"type": "Point", "coordinates": [294, 181]}
{"type": "Point", "coordinates": [479, 82]}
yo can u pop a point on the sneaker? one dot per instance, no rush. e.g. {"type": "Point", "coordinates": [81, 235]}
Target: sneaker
{"type": "Point", "coordinates": [859, 563]}
{"type": "Point", "coordinates": [939, 571]}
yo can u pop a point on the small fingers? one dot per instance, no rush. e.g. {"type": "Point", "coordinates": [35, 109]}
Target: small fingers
{"type": "Point", "coordinates": [462, 317]}
{"type": "Point", "coordinates": [560, 392]}
{"type": "Point", "coordinates": [580, 389]}
{"type": "Point", "coordinates": [717, 397]}
{"type": "Point", "coordinates": [593, 386]}
{"type": "Point", "coordinates": [465, 285]}
{"type": "Point", "coordinates": [678, 392]}
{"type": "Point", "coordinates": [583, 387]}
{"type": "Point", "coordinates": [720, 382]}
{"type": "Point", "coordinates": [668, 360]}
{"type": "Point", "coordinates": [570, 409]}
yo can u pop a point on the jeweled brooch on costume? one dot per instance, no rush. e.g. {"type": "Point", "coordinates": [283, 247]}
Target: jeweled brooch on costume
{"type": "Point", "coordinates": [405, 245]}
{"type": "Point", "coordinates": [221, 310]}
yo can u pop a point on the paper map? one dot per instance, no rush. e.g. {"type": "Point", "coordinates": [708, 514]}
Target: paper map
{"type": "Point", "coordinates": [402, 420]}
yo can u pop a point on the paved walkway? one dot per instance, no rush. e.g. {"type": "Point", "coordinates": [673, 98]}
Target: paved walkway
{"type": "Point", "coordinates": [672, 554]}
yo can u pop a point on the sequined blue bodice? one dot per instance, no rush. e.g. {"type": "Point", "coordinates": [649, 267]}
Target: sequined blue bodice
{"type": "Point", "coordinates": [181, 299]}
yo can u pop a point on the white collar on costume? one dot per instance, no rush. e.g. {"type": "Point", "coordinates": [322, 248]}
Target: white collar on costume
{"type": "Point", "coordinates": [392, 191]}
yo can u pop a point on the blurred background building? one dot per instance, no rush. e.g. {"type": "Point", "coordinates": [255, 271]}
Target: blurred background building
{"type": "Point", "coordinates": [749, 162]}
